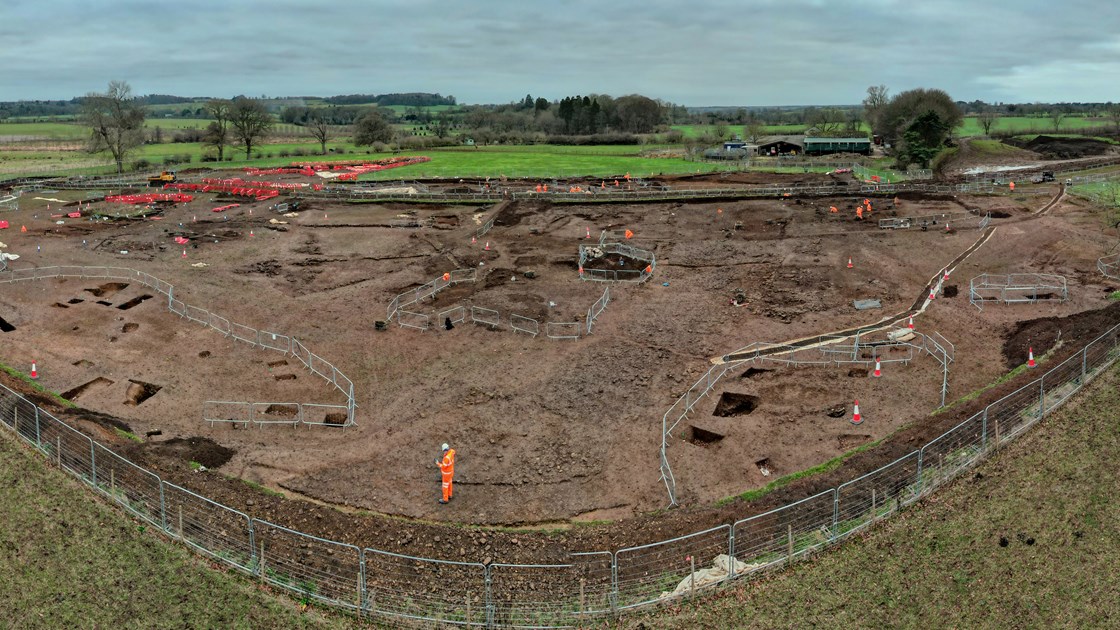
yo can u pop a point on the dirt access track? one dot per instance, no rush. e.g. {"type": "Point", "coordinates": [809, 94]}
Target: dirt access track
{"type": "Point", "coordinates": [548, 431]}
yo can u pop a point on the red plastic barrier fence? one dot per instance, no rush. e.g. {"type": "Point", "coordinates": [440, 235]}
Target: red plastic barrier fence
{"type": "Point", "coordinates": [149, 198]}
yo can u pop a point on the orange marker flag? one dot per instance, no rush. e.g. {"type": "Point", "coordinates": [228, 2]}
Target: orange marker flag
{"type": "Point", "coordinates": [649, 268]}
{"type": "Point", "coordinates": [629, 234]}
{"type": "Point", "coordinates": [446, 277]}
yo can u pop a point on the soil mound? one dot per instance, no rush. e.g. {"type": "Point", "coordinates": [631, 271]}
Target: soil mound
{"type": "Point", "coordinates": [1042, 334]}
{"type": "Point", "coordinates": [1064, 148]}
{"type": "Point", "coordinates": [194, 449]}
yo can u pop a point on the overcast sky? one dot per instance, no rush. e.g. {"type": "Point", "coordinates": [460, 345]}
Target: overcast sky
{"type": "Point", "coordinates": [692, 52]}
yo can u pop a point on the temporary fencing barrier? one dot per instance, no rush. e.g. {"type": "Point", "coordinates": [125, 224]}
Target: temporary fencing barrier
{"type": "Point", "coordinates": [486, 316]}
{"type": "Point", "coordinates": [429, 290]}
{"type": "Point", "coordinates": [524, 324]}
{"type": "Point", "coordinates": [455, 315]}
{"type": "Point", "coordinates": [1109, 266]}
{"type": "Point", "coordinates": [596, 308]}
{"type": "Point", "coordinates": [374, 582]}
{"type": "Point", "coordinates": [409, 319]}
{"type": "Point", "coordinates": [927, 221]}
{"type": "Point", "coordinates": [638, 275]}
{"type": "Point", "coordinates": [1017, 287]}
{"type": "Point", "coordinates": [562, 330]}
{"type": "Point", "coordinates": [240, 332]}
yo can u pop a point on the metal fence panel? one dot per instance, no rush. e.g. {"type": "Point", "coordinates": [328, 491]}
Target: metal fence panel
{"type": "Point", "coordinates": [537, 596]}
{"type": "Point", "coordinates": [1014, 412]}
{"type": "Point", "coordinates": [524, 324]}
{"type": "Point", "coordinates": [485, 316]}
{"type": "Point", "coordinates": [878, 493]}
{"type": "Point", "coordinates": [301, 352]}
{"type": "Point", "coordinates": [648, 572]}
{"type": "Point", "coordinates": [243, 333]}
{"type": "Point", "coordinates": [135, 488]}
{"type": "Point", "coordinates": [276, 413]}
{"type": "Point", "coordinates": [195, 314]}
{"type": "Point", "coordinates": [274, 341]}
{"type": "Point", "coordinates": [308, 565]}
{"type": "Point", "coordinates": [953, 451]}
{"type": "Point", "coordinates": [455, 315]}
{"type": "Point", "coordinates": [325, 415]}
{"type": "Point", "coordinates": [562, 330]}
{"type": "Point", "coordinates": [783, 533]}
{"type": "Point", "coordinates": [227, 411]}
{"type": "Point", "coordinates": [410, 319]}
{"type": "Point", "coordinates": [66, 446]}
{"type": "Point", "coordinates": [212, 528]}
{"type": "Point", "coordinates": [407, 587]}
{"type": "Point", "coordinates": [220, 324]}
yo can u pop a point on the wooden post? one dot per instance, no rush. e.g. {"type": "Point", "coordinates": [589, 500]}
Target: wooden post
{"type": "Point", "coordinates": [789, 542]}
{"type": "Point", "coordinates": [582, 585]}
{"type": "Point", "coordinates": [180, 520]}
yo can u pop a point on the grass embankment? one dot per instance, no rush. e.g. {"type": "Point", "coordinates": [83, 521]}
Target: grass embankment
{"type": "Point", "coordinates": [71, 561]}
{"type": "Point", "coordinates": [1029, 539]}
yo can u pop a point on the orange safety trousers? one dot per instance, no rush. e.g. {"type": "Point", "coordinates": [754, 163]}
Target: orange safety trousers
{"type": "Point", "coordinates": [447, 480]}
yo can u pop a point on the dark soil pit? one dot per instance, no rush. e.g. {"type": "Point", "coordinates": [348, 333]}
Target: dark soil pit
{"type": "Point", "coordinates": [849, 441]}
{"type": "Point", "coordinates": [129, 327]}
{"type": "Point", "coordinates": [857, 373]}
{"type": "Point", "coordinates": [837, 411]}
{"type": "Point", "coordinates": [446, 220]}
{"type": "Point", "coordinates": [764, 466]}
{"type": "Point", "coordinates": [109, 289]}
{"type": "Point", "coordinates": [273, 364]}
{"type": "Point", "coordinates": [139, 391]}
{"type": "Point", "coordinates": [281, 411]}
{"type": "Point", "coordinates": [285, 377]}
{"type": "Point", "coordinates": [83, 363]}
{"type": "Point", "coordinates": [337, 418]}
{"type": "Point", "coordinates": [134, 301]}
{"type": "Point", "coordinates": [702, 437]}
{"type": "Point", "coordinates": [205, 354]}
{"type": "Point", "coordinates": [71, 394]}
{"type": "Point", "coordinates": [5, 326]}
{"type": "Point", "coordinates": [950, 291]}
{"type": "Point", "coordinates": [104, 303]}
{"type": "Point", "coordinates": [753, 372]}
{"type": "Point", "coordinates": [75, 301]}
{"type": "Point", "coordinates": [732, 404]}
{"type": "Point", "coordinates": [59, 305]}
{"type": "Point", "coordinates": [195, 449]}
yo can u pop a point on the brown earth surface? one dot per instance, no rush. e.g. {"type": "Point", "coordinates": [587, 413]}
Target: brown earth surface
{"type": "Point", "coordinates": [549, 432]}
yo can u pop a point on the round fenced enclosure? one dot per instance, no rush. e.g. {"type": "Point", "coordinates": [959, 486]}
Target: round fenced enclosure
{"type": "Point", "coordinates": [1016, 288]}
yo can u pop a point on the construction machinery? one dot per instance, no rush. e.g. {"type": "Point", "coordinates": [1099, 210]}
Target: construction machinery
{"type": "Point", "coordinates": [160, 180]}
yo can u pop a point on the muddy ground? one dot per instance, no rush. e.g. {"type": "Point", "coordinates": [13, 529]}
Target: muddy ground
{"type": "Point", "coordinates": [548, 431]}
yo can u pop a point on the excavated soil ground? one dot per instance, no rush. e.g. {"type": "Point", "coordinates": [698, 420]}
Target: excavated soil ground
{"type": "Point", "coordinates": [547, 431]}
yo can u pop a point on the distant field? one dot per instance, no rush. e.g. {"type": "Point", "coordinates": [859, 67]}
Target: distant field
{"type": "Point", "coordinates": [695, 131]}
{"type": "Point", "coordinates": [1031, 124]}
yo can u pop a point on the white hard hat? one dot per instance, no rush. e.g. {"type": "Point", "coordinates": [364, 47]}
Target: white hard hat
{"type": "Point", "coordinates": [445, 446]}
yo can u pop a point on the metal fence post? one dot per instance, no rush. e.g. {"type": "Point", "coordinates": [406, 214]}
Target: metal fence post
{"type": "Point", "coordinates": [1041, 396]}
{"type": "Point", "coordinates": [918, 485]}
{"type": "Point", "coordinates": [1084, 362]}
{"type": "Point", "coordinates": [92, 464]}
{"type": "Point", "coordinates": [38, 437]}
{"type": "Point", "coordinates": [254, 561]}
{"type": "Point", "coordinates": [984, 431]}
{"type": "Point", "coordinates": [731, 552]}
{"type": "Point", "coordinates": [835, 510]}
{"type": "Point", "coordinates": [363, 595]}
{"type": "Point", "coordinates": [489, 599]}
{"type": "Point", "coordinates": [614, 584]}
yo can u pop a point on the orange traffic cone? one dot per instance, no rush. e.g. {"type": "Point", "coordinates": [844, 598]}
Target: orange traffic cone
{"type": "Point", "coordinates": [946, 276]}
{"type": "Point", "coordinates": [932, 295]}
{"type": "Point", "coordinates": [910, 324]}
{"type": "Point", "coordinates": [947, 227]}
{"type": "Point", "coordinates": [34, 370]}
{"type": "Point", "coordinates": [649, 269]}
{"type": "Point", "coordinates": [250, 233]}
{"type": "Point", "coordinates": [878, 369]}
{"type": "Point", "coordinates": [588, 232]}
{"type": "Point", "coordinates": [719, 210]}
{"type": "Point", "coordinates": [487, 248]}
{"type": "Point", "coordinates": [850, 265]}
{"type": "Point", "coordinates": [856, 418]}
{"type": "Point", "coordinates": [184, 253]}
{"type": "Point", "coordinates": [581, 270]}
{"type": "Point", "coordinates": [473, 240]}
{"type": "Point", "coordinates": [23, 228]}
{"type": "Point", "coordinates": [1030, 358]}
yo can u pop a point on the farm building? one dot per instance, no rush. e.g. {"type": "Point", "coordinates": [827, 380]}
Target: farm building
{"type": "Point", "coordinates": [781, 145]}
{"type": "Point", "coordinates": [822, 146]}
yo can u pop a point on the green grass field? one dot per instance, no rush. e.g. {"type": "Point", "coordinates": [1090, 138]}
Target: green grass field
{"type": "Point", "coordinates": [1027, 540]}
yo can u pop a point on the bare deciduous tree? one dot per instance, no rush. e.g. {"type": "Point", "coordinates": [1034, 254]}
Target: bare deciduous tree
{"type": "Point", "coordinates": [873, 105]}
{"type": "Point", "coordinates": [250, 121]}
{"type": "Point", "coordinates": [987, 119]}
{"type": "Point", "coordinates": [217, 132]}
{"type": "Point", "coordinates": [116, 122]}
{"type": "Point", "coordinates": [1056, 117]}
{"type": "Point", "coordinates": [319, 127]}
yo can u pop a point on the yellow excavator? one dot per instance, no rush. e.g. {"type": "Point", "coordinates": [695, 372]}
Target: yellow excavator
{"type": "Point", "coordinates": [165, 177]}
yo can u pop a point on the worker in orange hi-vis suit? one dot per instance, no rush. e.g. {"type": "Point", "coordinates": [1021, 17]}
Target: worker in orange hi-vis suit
{"type": "Point", "coordinates": [833, 209]}
{"type": "Point", "coordinates": [859, 212]}
{"type": "Point", "coordinates": [447, 471]}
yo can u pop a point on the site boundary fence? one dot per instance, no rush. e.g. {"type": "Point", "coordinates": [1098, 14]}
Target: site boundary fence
{"type": "Point", "coordinates": [942, 221]}
{"type": "Point", "coordinates": [266, 340]}
{"type": "Point", "coordinates": [371, 582]}
{"type": "Point", "coordinates": [597, 307]}
{"type": "Point", "coordinates": [1017, 288]}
